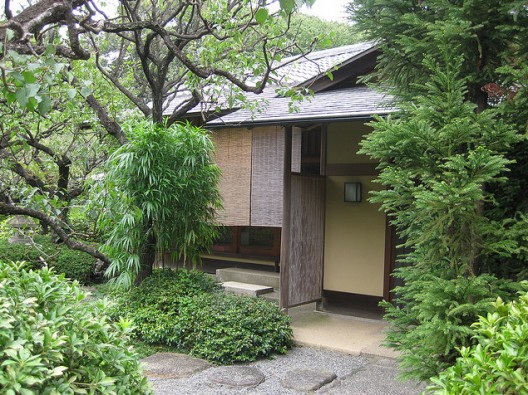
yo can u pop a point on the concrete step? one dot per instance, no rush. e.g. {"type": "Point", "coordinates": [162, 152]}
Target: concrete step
{"type": "Point", "coordinates": [245, 289]}
{"type": "Point", "coordinates": [249, 276]}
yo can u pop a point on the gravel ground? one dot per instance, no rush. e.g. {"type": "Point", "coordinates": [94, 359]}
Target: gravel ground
{"type": "Point", "coordinates": [355, 375]}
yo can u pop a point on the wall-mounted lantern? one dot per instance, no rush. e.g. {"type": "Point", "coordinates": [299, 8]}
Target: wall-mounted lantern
{"type": "Point", "coordinates": [352, 192]}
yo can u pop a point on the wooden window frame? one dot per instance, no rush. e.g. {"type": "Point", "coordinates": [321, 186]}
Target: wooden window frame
{"type": "Point", "coordinates": [235, 246]}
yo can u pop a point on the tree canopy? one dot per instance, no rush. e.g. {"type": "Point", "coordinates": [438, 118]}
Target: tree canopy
{"type": "Point", "coordinates": [150, 54]}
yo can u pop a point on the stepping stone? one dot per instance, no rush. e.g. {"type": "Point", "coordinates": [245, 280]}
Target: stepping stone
{"type": "Point", "coordinates": [246, 289]}
{"type": "Point", "coordinates": [307, 379]}
{"type": "Point", "coordinates": [168, 365]}
{"type": "Point", "coordinates": [236, 376]}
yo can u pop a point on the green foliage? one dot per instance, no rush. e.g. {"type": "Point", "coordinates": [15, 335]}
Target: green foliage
{"type": "Point", "coordinates": [163, 194]}
{"type": "Point", "coordinates": [154, 305]}
{"type": "Point", "coordinates": [31, 82]}
{"type": "Point", "coordinates": [52, 342]}
{"type": "Point", "coordinates": [225, 328]}
{"type": "Point", "coordinates": [432, 318]}
{"type": "Point", "coordinates": [75, 265]}
{"type": "Point", "coordinates": [183, 309]}
{"type": "Point", "coordinates": [498, 364]}
{"type": "Point", "coordinates": [438, 156]}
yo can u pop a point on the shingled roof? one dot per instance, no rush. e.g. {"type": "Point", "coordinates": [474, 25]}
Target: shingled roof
{"type": "Point", "coordinates": [317, 64]}
{"type": "Point", "coordinates": [293, 72]}
{"type": "Point", "coordinates": [357, 102]}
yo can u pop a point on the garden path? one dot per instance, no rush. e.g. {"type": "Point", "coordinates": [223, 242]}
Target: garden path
{"type": "Point", "coordinates": [302, 370]}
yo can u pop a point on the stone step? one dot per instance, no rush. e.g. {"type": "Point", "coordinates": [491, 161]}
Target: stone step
{"type": "Point", "coordinates": [249, 276]}
{"type": "Point", "coordinates": [245, 289]}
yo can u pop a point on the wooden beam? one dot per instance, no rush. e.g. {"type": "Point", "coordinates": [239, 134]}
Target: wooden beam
{"type": "Point", "coordinates": [351, 169]}
{"type": "Point", "coordinates": [286, 219]}
{"type": "Point", "coordinates": [389, 260]}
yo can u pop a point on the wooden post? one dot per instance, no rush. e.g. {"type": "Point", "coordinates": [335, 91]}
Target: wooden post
{"type": "Point", "coordinates": [285, 233]}
{"type": "Point", "coordinates": [390, 240]}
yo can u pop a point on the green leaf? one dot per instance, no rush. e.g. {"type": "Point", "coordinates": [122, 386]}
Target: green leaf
{"type": "Point", "coordinates": [85, 91]}
{"type": "Point", "coordinates": [261, 15]}
{"type": "Point", "coordinates": [50, 50]}
{"type": "Point", "coordinates": [287, 5]}
{"type": "Point", "coordinates": [71, 93]}
{"type": "Point", "coordinates": [32, 89]}
{"type": "Point", "coordinates": [44, 105]}
{"type": "Point", "coordinates": [29, 77]}
{"type": "Point", "coordinates": [21, 96]}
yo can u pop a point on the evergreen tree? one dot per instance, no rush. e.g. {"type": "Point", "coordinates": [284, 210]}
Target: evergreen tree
{"type": "Point", "coordinates": [453, 161]}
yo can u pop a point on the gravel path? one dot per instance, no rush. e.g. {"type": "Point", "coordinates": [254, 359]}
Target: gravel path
{"type": "Point", "coordinates": [355, 375]}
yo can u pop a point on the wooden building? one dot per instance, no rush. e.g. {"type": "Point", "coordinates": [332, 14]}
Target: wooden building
{"type": "Point", "coordinates": [295, 190]}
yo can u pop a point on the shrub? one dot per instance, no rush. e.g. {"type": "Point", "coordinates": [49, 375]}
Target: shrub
{"type": "Point", "coordinates": [183, 309]}
{"type": "Point", "coordinates": [20, 252]}
{"type": "Point", "coordinates": [154, 305]}
{"type": "Point", "coordinates": [225, 328]}
{"type": "Point", "coordinates": [51, 342]}
{"type": "Point", "coordinates": [440, 313]}
{"type": "Point", "coordinates": [498, 364]}
{"type": "Point", "coordinates": [76, 265]}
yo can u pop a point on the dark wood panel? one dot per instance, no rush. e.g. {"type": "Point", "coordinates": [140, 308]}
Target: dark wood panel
{"type": "Point", "coordinates": [285, 239]}
{"type": "Point", "coordinates": [389, 261]}
{"type": "Point", "coordinates": [351, 169]}
{"type": "Point", "coordinates": [306, 244]}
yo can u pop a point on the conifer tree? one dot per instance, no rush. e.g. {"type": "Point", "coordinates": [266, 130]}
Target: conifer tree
{"type": "Point", "coordinates": [453, 161]}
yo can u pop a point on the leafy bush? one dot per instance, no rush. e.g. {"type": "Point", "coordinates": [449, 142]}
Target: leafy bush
{"type": "Point", "coordinates": [76, 265]}
{"type": "Point", "coordinates": [154, 305]}
{"type": "Point", "coordinates": [498, 364]}
{"type": "Point", "coordinates": [441, 312]}
{"type": "Point", "coordinates": [225, 328]}
{"type": "Point", "coordinates": [51, 342]}
{"type": "Point", "coordinates": [183, 309]}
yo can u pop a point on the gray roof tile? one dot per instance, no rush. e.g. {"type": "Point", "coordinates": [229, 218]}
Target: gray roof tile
{"type": "Point", "coordinates": [294, 73]}
{"type": "Point", "coordinates": [347, 103]}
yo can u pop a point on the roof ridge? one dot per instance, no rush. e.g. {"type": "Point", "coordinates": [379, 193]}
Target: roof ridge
{"type": "Point", "coordinates": [336, 51]}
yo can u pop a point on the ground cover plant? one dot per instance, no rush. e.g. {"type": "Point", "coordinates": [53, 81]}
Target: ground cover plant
{"type": "Point", "coordinates": [498, 364]}
{"type": "Point", "coordinates": [52, 342]}
{"type": "Point", "coordinates": [186, 310]}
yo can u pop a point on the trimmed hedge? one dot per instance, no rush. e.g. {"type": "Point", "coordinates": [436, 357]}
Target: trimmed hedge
{"type": "Point", "coordinates": [52, 342]}
{"type": "Point", "coordinates": [186, 310]}
{"type": "Point", "coordinates": [154, 305]}
{"type": "Point", "coordinates": [75, 265]}
{"type": "Point", "coordinates": [226, 328]}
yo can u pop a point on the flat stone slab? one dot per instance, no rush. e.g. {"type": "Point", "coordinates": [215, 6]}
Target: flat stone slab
{"type": "Point", "coordinates": [168, 365]}
{"type": "Point", "coordinates": [236, 376]}
{"type": "Point", "coordinates": [307, 379]}
{"type": "Point", "coordinates": [246, 289]}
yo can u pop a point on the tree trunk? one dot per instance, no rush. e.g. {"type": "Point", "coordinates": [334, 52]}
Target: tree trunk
{"type": "Point", "coordinates": [147, 258]}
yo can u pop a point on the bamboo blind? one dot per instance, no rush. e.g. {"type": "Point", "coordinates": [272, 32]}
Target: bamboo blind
{"type": "Point", "coordinates": [267, 176]}
{"type": "Point", "coordinates": [233, 156]}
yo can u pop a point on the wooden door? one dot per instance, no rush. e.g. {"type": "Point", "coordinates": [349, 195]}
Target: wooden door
{"type": "Point", "coordinates": [303, 246]}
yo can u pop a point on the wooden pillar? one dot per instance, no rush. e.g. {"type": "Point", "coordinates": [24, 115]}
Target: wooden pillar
{"type": "Point", "coordinates": [390, 240]}
{"type": "Point", "coordinates": [285, 233]}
